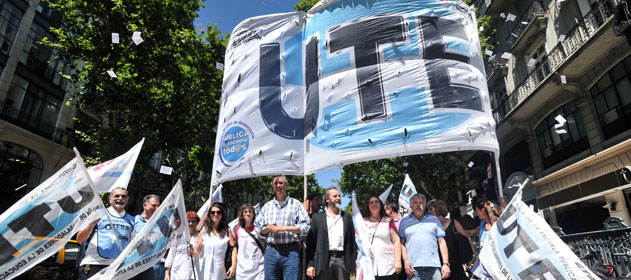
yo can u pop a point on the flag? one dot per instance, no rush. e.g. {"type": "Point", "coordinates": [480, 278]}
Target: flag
{"type": "Point", "coordinates": [345, 83]}
{"type": "Point", "coordinates": [521, 245]}
{"type": "Point", "coordinates": [215, 197]}
{"type": "Point", "coordinates": [407, 191]}
{"type": "Point", "coordinates": [43, 221]}
{"type": "Point", "coordinates": [167, 227]}
{"type": "Point", "coordinates": [385, 194]}
{"type": "Point", "coordinates": [363, 264]}
{"type": "Point", "coordinates": [116, 172]}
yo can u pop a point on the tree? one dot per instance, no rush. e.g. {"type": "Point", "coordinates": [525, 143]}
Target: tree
{"type": "Point", "coordinates": [438, 176]}
{"type": "Point", "coordinates": [305, 5]}
{"type": "Point", "coordinates": [166, 90]}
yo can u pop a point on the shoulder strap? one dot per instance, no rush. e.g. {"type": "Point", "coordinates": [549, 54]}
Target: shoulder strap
{"type": "Point", "coordinates": [255, 239]}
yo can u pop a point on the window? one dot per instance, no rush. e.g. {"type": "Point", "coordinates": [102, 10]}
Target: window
{"type": "Point", "coordinates": [39, 110]}
{"type": "Point", "coordinates": [10, 17]}
{"type": "Point", "coordinates": [44, 9]}
{"type": "Point", "coordinates": [42, 59]}
{"type": "Point", "coordinates": [542, 65]}
{"type": "Point", "coordinates": [555, 147]}
{"type": "Point", "coordinates": [612, 98]}
{"type": "Point", "coordinates": [18, 166]}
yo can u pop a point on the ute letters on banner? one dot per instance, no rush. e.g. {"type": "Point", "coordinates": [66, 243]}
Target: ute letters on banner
{"type": "Point", "coordinates": [42, 222]}
{"type": "Point", "coordinates": [167, 227]}
{"type": "Point", "coordinates": [349, 82]}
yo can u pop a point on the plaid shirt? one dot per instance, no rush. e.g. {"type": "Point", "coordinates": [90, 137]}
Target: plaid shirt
{"type": "Point", "coordinates": [284, 213]}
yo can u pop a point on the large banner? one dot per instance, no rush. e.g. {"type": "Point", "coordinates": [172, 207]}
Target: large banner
{"type": "Point", "coordinates": [42, 222]}
{"type": "Point", "coordinates": [521, 245]}
{"type": "Point", "coordinates": [116, 172]}
{"type": "Point", "coordinates": [351, 81]}
{"type": "Point", "coordinates": [167, 227]}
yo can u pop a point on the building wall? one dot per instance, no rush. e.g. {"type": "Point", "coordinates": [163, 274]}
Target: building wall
{"type": "Point", "coordinates": [589, 50]}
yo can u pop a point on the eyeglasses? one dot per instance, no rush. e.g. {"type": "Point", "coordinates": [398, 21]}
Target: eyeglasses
{"type": "Point", "coordinates": [120, 196]}
{"type": "Point", "coordinates": [215, 213]}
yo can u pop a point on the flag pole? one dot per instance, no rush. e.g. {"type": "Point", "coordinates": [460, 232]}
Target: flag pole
{"type": "Point", "coordinates": [107, 214]}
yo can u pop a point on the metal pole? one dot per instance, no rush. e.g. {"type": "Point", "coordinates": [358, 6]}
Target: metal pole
{"type": "Point", "coordinates": [304, 248]}
{"type": "Point", "coordinates": [498, 175]}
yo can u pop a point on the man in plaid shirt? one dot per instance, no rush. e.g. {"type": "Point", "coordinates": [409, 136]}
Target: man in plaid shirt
{"type": "Point", "coordinates": [283, 222]}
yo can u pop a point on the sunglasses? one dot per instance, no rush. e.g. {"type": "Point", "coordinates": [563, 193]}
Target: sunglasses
{"type": "Point", "coordinates": [120, 196]}
{"type": "Point", "coordinates": [215, 213]}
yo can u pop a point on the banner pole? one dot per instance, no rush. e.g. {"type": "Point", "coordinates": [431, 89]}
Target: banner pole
{"type": "Point", "coordinates": [304, 248]}
{"type": "Point", "coordinates": [498, 175]}
{"type": "Point", "coordinates": [107, 212]}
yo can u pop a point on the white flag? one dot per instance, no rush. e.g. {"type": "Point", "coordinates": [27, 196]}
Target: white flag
{"type": "Point", "coordinates": [115, 172]}
{"type": "Point", "coordinates": [521, 245]}
{"type": "Point", "coordinates": [42, 222]}
{"type": "Point", "coordinates": [167, 227]}
{"type": "Point", "coordinates": [216, 197]}
{"type": "Point", "coordinates": [363, 263]}
{"type": "Point", "coordinates": [407, 192]}
{"type": "Point", "coordinates": [384, 196]}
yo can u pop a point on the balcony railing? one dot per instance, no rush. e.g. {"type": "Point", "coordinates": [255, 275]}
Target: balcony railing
{"type": "Point", "coordinates": [536, 8]}
{"type": "Point", "coordinates": [50, 132]}
{"type": "Point", "coordinates": [574, 40]}
{"type": "Point", "coordinates": [599, 247]}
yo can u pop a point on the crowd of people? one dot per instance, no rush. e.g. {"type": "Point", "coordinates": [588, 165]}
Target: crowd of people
{"type": "Point", "coordinates": [425, 244]}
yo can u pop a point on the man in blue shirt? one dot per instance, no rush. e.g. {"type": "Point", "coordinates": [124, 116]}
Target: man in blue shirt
{"type": "Point", "coordinates": [421, 236]}
{"type": "Point", "coordinates": [150, 204]}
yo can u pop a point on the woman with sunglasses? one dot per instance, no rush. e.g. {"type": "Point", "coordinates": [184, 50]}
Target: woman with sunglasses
{"type": "Point", "coordinates": [251, 248]}
{"type": "Point", "coordinates": [212, 245]}
{"type": "Point", "coordinates": [385, 247]}
{"type": "Point", "coordinates": [179, 262]}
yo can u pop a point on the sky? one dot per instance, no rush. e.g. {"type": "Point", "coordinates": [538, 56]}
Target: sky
{"type": "Point", "coordinates": [227, 14]}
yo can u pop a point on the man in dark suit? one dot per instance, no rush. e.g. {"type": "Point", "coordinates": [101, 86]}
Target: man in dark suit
{"type": "Point", "coordinates": [331, 249]}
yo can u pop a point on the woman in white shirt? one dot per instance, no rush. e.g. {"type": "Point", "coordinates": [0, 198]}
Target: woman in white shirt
{"type": "Point", "coordinates": [212, 245]}
{"type": "Point", "coordinates": [385, 247]}
{"type": "Point", "coordinates": [179, 263]}
{"type": "Point", "coordinates": [251, 248]}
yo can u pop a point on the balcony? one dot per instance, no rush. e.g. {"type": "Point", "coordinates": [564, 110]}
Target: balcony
{"type": "Point", "coordinates": [536, 20]}
{"type": "Point", "coordinates": [50, 132]}
{"type": "Point", "coordinates": [559, 56]}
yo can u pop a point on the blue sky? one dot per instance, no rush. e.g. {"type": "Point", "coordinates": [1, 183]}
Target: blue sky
{"type": "Point", "coordinates": [228, 14]}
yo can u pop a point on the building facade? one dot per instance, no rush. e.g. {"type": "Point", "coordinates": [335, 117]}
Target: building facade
{"type": "Point", "coordinates": [560, 85]}
{"type": "Point", "coordinates": [36, 127]}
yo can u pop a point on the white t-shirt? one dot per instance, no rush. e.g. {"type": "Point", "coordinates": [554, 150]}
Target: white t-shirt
{"type": "Point", "coordinates": [180, 262]}
{"type": "Point", "coordinates": [249, 257]}
{"type": "Point", "coordinates": [382, 249]}
{"type": "Point", "coordinates": [213, 256]}
{"type": "Point", "coordinates": [103, 247]}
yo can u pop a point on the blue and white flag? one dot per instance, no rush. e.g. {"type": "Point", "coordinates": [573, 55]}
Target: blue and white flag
{"type": "Point", "coordinates": [351, 81]}
{"type": "Point", "coordinates": [43, 221]}
{"type": "Point", "coordinates": [364, 262]}
{"type": "Point", "coordinates": [167, 227]}
{"type": "Point", "coordinates": [216, 196]}
{"type": "Point", "coordinates": [116, 172]}
{"type": "Point", "coordinates": [407, 191]}
{"type": "Point", "coordinates": [521, 245]}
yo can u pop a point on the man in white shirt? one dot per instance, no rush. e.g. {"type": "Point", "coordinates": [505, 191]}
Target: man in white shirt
{"type": "Point", "coordinates": [331, 250]}
{"type": "Point", "coordinates": [104, 242]}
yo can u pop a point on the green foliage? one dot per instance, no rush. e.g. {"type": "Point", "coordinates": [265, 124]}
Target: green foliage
{"type": "Point", "coordinates": [305, 5]}
{"type": "Point", "coordinates": [167, 89]}
{"type": "Point", "coordinates": [438, 176]}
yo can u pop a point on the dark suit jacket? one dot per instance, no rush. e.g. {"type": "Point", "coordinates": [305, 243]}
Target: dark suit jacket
{"type": "Point", "coordinates": [318, 243]}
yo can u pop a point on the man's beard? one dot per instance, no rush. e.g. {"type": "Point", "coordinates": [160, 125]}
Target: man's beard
{"type": "Point", "coordinates": [337, 205]}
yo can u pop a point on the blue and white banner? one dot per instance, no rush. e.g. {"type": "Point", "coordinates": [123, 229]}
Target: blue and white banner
{"type": "Point", "coordinates": [43, 221]}
{"type": "Point", "coordinates": [351, 81]}
{"type": "Point", "coordinates": [116, 172]}
{"type": "Point", "coordinates": [167, 227]}
{"type": "Point", "coordinates": [364, 262]}
{"type": "Point", "coordinates": [407, 191]}
{"type": "Point", "coordinates": [521, 245]}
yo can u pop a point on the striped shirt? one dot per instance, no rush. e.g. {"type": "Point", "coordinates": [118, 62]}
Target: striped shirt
{"type": "Point", "coordinates": [284, 213]}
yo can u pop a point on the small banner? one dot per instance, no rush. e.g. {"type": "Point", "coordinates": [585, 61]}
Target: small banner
{"type": "Point", "coordinates": [521, 245]}
{"type": "Point", "coordinates": [167, 227]}
{"type": "Point", "coordinates": [364, 260]}
{"type": "Point", "coordinates": [215, 197]}
{"type": "Point", "coordinates": [115, 172]}
{"type": "Point", "coordinates": [407, 191]}
{"type": "Point", "coordinates": [42, 222]}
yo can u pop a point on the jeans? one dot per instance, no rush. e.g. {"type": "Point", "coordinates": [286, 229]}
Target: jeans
{"type": "Point", "coordinates": [282, 261]}
{"type": "Point", "coordinates": [426, 273]}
